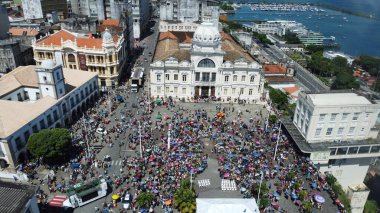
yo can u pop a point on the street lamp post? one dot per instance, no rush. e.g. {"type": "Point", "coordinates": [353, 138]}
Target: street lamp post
{"type": "Point", "coordinates": [258, 196]}
{"type": "Point", "coordinates": [140, 140]}
{"type": "Point", "coordinates": [169, 134]}
{"type": "Point", "coordinates": [278, 139]}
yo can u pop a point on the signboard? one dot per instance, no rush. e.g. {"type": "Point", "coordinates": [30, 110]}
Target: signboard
{"type": "Point", "coordinates": [82, 62]}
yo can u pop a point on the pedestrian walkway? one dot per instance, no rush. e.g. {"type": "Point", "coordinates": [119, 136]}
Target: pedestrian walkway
{"type": "Point", "coordinates": [204, 183]}
{"type": "Point", "coordinates": [228, 185]}
{"type": "Point", "coordinates": [116, 163]}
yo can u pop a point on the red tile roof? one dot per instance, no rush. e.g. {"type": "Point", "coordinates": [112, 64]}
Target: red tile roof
{"type": "Point", "coordinates": [111, 22]}
{"type": "Point", "coordinates": [274, 69]}
{"type": "Point", "coordinates": [16, 31]}
{"type": "Point", "coordinates": [64, 35]}
{"type": "Point", "coordinates": [291, 90]}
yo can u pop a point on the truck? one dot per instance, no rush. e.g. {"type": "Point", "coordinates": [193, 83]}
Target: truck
{"type": "Point", "coordinates": [82, 194]}
{"type": "Point", "coordinates": [136, 79]}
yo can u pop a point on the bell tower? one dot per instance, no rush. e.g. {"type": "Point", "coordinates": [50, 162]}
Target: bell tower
{"type": "Point", "coordinates": [50, 79]}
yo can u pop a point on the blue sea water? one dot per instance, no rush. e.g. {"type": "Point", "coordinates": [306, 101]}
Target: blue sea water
{"type": "Point", "coordinates": [356, 35]}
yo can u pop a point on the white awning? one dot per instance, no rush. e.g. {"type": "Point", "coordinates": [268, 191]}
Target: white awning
{"type": "Point", "coordinates": [226, 205]}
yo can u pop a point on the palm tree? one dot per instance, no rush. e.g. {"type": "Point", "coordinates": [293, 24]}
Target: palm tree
{"type": "Point", "coordinates": [184, 200]}
{"type": "Point", "coordinates": [145, 199]}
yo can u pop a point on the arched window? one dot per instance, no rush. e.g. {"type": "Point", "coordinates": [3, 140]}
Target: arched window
{"type": "Point", "coordinates": [71, 58]}
{"type": "Point", "coordinates": [206, 63]}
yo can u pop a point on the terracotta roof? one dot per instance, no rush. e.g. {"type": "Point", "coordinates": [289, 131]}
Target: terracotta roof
{"type": "Point", "coordinates": [102, 28]}
{"type": "Point", "coordinates": [10, 117]}
{"type": "Point", "coordinates": [168, 45]}
{"type": "Point", "coordinates": [279, 79]}
{"type": "Point", "coordinates": [15, 31]}
{"type": "Point", "coordinates": [111, 22]}
{"type": "Point", "coordinates": [291, 90]}
{"type": "Point", "coordinates": [274, 69]}
{"type": "Point", "coordinates": [64, 35]}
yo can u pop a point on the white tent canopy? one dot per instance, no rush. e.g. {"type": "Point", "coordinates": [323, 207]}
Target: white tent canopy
{"type": "Point", "coordinates": [226, 205]}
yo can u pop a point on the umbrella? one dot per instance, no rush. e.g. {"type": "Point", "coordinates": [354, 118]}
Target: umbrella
{"type": "Point", "coordinates": [243, 189]}
{"type": "Point", "coordinates": [319, 198]}
{"type": "Point", "coordinates": [294, 196]}
{"type": "Point", "coordinates": [158, 101]}
{"type": "Point", "coordinates": [230, 155]}
{"type": "Point", "coordinates": [115, 197]}
{"type": "Point", "coordinates": [155, 191]}
{"type": "Point", "coordinates": [314, 185]}
{"type": "Point", "coordinates": [151, 159]}
{"type": "Point", "coordinates": [226, 175]}
{"type": "Point", "coordinates": [237, 171]}
{"type": "Point", "coordinates": [134, 179]}
{"type": "Point", "coordinates": [168, 202]}
{"type": "Point", "coordinates": [200, 168]}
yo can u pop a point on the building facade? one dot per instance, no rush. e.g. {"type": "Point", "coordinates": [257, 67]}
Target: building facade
{"type": "Point", "coordinates": [141, 12]}
{"type": "Point", "coordinates": [49, 96]}
{"type": "Point", "coordinates": [205, 64]}
{"type": "Point", "coordinates": [335, 117]}
{"type": "Point", "coordinates": [4, 26]}
{"type": "Point", "coordinates": [104, 56]}
{"type": "Point", "coordinates": [336, 130]}
{"type": "Point", "coordinates": [10, 55]}
{"type": "Point", "coordinates": [32, 9]}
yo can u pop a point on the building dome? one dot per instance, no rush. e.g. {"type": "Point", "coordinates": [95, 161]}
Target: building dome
{"type": "Point", "coordinates": [107, 36]}
{"type": "Point", "coordinates": [48, 64]}
{"type": "Point", "coordinates": [207, 33]}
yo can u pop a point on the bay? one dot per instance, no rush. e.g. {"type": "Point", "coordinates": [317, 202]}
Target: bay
{"type": "Point", "coordinates": [356, 35]}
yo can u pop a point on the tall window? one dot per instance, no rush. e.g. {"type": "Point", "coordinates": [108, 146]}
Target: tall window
{"type": "Point", "coordinates": [234, 78]}
{"type": "Point", "coordinates": [184, 78]}
{"type": "Point", "coordinates": [206, 63]}
{"type": "Point", "coordinates": [197, 76]}
{"type": "Point", "coordinates": [356, 116]}
{"type": "Point", "coordinates": [318, 132]}
{"type": "Point", "coordinates": [241, 91]}
{"type": "Point", "coordinates": [344, 116]}
{"type": "Point", "coordinates": [158, 77]}
{"type": "Point", "coordinates": [340, 131]}
{"type": "Point", "coordinates": [176, 77]}
{"type": "Point", "coordinates": [250, 91]}
{"type": "Point", "coordinates": [184, 90]}
{"type": "Point", "coordinates": [167, 77]}
{"type": "Point", "coordinates": [166, 89]}
{"type": "Point", "coordinates": [322, 117]}
{"type": "Point", "coordinates": [252, 79]}
{"type": "Point", "coordinates": [175, 90]}
{"type": "Point", "coordinates": [243, 78]}
{"type": "Point", "coordinates": [333, 116]}
{"type": "Point", "coordinates": [351, 130]}
{"type": "Point", "coordinates": [206, 77]}
{"type": "Point", "coordinates": [226, 78]}
{"type": "Point", "coordinates": [233, 91]}
{"type": "Point", "coordinates": [225, 91]}
{"type": "Point", "coordinates": [213, 77]}
{"type": "Point", "coordinates": [329, 131]}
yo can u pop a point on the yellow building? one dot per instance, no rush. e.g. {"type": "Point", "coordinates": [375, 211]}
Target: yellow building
{"type": "Point", "coordinates": [105, 56]}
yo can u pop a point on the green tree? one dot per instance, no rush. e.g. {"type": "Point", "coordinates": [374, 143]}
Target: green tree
{"type": "Point", "coordinates": [291, 38]}
{"type": "Point", "coordinates": [272, 119]}
{"type": "Point", "coordinates": [345, 80]}
{"type": "Point", "coordinates": [371, 206]}
{"type": "Point", "coordinates": [264, 202]}
{"type": "Point", "coordinates": [145, 199]}
{"type": "Point", "coordinates": [330, 179]}
{"type": "Point", "coordinates": [303, 194]}
{"type": "Point", "coordinates": [278, 97]}
{"type": "Point", "coordinates": [53, 145]}
{"type": "Point", "coordinates": [368, 63]}
{"type": "Point", "coordinates": [307, 206]}
{"type": "Point", "coordinates": [314, 49]}
{"type": "Point", "coordinates": [290, 176]}
{"type": "Point", "coordinates": [184, 200]}
{"type": "Point", "coordinates": [263, 191]}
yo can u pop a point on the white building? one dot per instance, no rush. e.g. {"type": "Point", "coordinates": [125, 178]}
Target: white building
{"type": "Point", "coordinates": [204, 64]}
{"type": "Point", "coordinates": [335, 117]}
{"type": "Point", "coordinates": [35, 98]}
{"type": "Point", "coordinates": [337, 131]}
{"type": "Point", "coordinates": [141, 12]}
{"type": "Point", "coordinates": [32, 9]}
{"type": "Point", "coordinates": [185, 15]}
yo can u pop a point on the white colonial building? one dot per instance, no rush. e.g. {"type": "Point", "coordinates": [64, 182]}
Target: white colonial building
{"type": "Point", "coordinates": [204, 64]}
{"type": "Point", "coordinates": [35, 98]}
{"type": "Point", "coordinates": [336, 130]}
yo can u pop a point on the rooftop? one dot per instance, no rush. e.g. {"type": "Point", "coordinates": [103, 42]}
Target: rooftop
{"type": "Point", "coordinates": [279, 79]}
{"type": "Point", "coordinates": [334, 99]}
{"type": "Point", "coordinates": [168, 46]}
{"type": "Point", "coordinates": [14, 196]}
{"type": "Point", "coordinates": [15, 114]}
{"type": "Point", "coordinates": [274, 69]}
{"type": "Point", "coordinates": [57, 38]}
{"type": "Point", "coordinates": [16, 31]}
{"type": "Point", "coordinates": [291, 90]}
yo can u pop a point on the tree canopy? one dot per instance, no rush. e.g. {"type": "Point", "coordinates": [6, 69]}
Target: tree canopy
{"type": "Point", "coordinates": [278, 97]}
{"type": "Point", "coordinates": [345, 80]}
{"type": "Point", "coordinates": [368, 63]}
{"type": "Point", "coordinates": [184, 198]}
{"type": "Point", "coordinates": [291, 38]}
{"type": "Point", "coordinates": [371, 207]}
{"type": "Point", "coordinates": [53, 145]}
{"type": "Point", "coordinates": [145, 199]}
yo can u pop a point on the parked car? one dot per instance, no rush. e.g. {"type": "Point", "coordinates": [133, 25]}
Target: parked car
{"type": "Point", "coordinates": [101, 131]}
{"type": "Point", "coordinates": [127, 201]}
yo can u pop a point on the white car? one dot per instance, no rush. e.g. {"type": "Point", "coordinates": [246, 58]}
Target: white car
{"type": "Point", "coordinates": [127, 201]}
{"type": "Point", "coordinates": [101, 131]}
